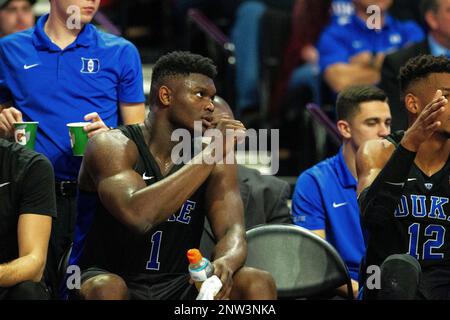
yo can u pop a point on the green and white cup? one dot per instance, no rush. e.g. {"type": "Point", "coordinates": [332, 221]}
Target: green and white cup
{"type": "Point", "coordinates": [78, 137]}
{"type": "Point", "coordinates": [25, 133]}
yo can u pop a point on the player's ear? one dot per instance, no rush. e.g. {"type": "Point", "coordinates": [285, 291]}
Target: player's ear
{"type": "Point", "coordinates": [344, 129]}
{"type": "Point", "coordinates": [430, 19]}
{"type": "Point", "coordinates": [411, 103]}
{"type": "Point", "coordinates": [165, 95]}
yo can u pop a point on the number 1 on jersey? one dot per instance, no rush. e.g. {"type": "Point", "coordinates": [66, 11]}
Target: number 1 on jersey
{"type": "Point", "coordinates": [153, 263]}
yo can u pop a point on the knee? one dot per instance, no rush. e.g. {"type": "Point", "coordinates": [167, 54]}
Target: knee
{"type": "Point", "coordinates": [263, 285]}
{"type": "Point", "coordinates": [29, 290]}
{"type": "Point", "coordinates": [400, 277]}
{"type": "Point", "coordinates": [255, 284]}
{"type": "Point", "coordinates": [104, 287]}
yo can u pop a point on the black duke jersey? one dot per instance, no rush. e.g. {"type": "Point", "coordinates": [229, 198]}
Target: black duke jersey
{"type": "Point", "coordinates": [420, 225]}
{"type": "Point", "coordinates": [112, 246]}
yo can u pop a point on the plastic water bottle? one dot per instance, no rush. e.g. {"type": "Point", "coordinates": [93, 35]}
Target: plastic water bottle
{"type": "Point", "coordinates": [200, 268]}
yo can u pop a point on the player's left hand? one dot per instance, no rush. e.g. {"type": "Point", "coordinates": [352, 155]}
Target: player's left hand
{"type": "Point", "coordinates": [96, 126]}
{"type": "Point", "coordinates": [225, 274]}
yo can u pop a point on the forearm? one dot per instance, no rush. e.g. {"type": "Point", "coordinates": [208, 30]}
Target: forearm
{"type": "Point", "coordinates": [152, 205]}
{"type": "Point", "coordinates": [171, 193]}
{"type": "Point", "coordinates": [342, 76]}
{"type": "Point", "coordinates": [383, 195]}
{"type": "Point", "coordinates": [26, 268]}
{"type": "Point", "coordinates": [232, 248]}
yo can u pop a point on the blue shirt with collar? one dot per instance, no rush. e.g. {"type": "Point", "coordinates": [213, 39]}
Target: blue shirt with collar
{"type": "Point", "coordinates": [325, 198]}
{"type": "Point", "coordinates": [56, 87]}
{"type": "Point", "coordinates": [343, 39]}
{"type": "Point", "coordinates": [436, 49]}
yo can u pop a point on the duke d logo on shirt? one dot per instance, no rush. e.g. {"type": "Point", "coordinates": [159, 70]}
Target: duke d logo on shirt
{"type": "Point", "coordinates": [90, 65]}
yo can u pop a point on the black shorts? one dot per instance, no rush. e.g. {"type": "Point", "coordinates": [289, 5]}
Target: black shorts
{"type": "Point", "coordinates": [27, 290]}
{"type": "Point", "coordinates": [152, 286]}
{"type": "Point", "coordinates": [435, 284]}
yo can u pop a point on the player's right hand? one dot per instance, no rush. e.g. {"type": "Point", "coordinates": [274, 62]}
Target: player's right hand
{"type": "Point", "coordinates": [426, 123]}
{"type": "Point", "coordinates": [7, 117]}
{"type": "Point", "coordinates": [223, 271]}
{"type": "Point", "coordinates": [232, 132]}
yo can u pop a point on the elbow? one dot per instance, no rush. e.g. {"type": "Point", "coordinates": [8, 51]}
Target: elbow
{"type": "Point", "coordinates": [339, 86]}
{"type": "Point", "coordinates": [137, 215]}
{"type": "Point", "coordinates": [339, 83]}
{"type": "Point", "coordinates": [244, 247]}
{"type": "Point", "coordinates": [38, 276]}
{"type": "Point", "coordinates": [141, 228]}
{"type": "Point", "coordinates": [37, 272]}
{"type": "Point", "coordinates": [336, 81]}
{"type": "Point", "coordinates": [136, 220]}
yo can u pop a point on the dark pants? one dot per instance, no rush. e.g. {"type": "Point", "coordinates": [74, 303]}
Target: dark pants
{"type": "Point", "coordinates": [63, 229]}
{"type": "Point", "coordinates": [27, 290]}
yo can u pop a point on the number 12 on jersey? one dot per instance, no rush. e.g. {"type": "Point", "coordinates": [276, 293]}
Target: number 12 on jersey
{"type": "Point", "coordinates": [437, 236]}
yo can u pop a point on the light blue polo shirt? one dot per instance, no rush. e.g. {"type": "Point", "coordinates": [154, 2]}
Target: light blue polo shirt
{"type": "Point", "coordinates": [55, 87]}
{"type": "Point", "coordinates": [325, 198]}
{"type": "Point", "coordinates": [343, 39]}
{"type": "Point", "coordinates": [436, 49]}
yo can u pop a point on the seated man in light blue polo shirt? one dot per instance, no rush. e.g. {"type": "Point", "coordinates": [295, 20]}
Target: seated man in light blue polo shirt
{"type": "Point", "coordinates": [352, 52]}
{"type": "Point", "coordinates": [324, 199]}
{"type": "Point", "coordinates": [246, 34]}
{"type": "Point", "coordinates": [65, 70]}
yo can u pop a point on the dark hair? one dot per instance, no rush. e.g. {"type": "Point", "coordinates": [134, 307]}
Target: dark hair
{"type": "Point", "coordinates": [181, 63]}
{"type": "Point", "coordinates": [420, 67]}
{"type": "Point", "coordinates": [427, 5]}
{"type": "Point", "coordinates": [348, 101]}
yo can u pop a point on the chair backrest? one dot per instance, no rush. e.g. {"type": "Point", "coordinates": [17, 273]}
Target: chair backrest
{"type": "Point", "coordinates": [63, 264]}
{"type": "Point", "coordinates": [325, 121]}
{"type": "Point", "coordinates": [302, 264]}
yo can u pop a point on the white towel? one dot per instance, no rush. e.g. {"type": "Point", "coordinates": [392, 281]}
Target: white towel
{"type": "Point", "coordinates": [209, 288]}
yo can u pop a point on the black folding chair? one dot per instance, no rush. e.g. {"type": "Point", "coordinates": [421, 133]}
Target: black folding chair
{"type": "Point", "coordinates": [302, 264]}
{"type": "Point", "coordinates": [62, 266]}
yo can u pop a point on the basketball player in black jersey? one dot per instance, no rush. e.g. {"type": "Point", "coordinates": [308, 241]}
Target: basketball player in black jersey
{"type": "Point", "coordinates": [149, 211]}
{"type": "Point", "coordinates": [403, 183]}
